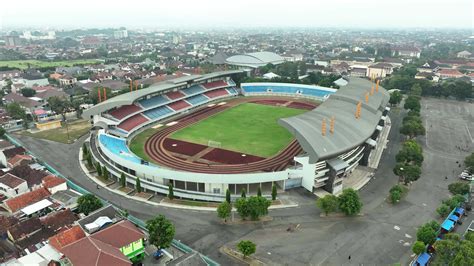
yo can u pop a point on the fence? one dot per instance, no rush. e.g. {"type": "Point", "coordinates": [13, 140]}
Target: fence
{"type": "Point", "coordinates": [140, 223]}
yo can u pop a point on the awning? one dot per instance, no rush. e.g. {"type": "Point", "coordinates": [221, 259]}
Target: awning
{"type": "Point", "coordinates": [447, 225]}
{"type": "Point", "coordinates": [459, 211]}
{"type": "Point", "coordinates": [423, 259]}
{"type": "Point", "coordinates": [453, 218]}
{"type": "Point", "coordinates": [38, 206]}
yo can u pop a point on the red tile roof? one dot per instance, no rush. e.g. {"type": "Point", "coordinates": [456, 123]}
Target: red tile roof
{"type": "Point", "coordinates": [18, 158]}
{"type": "Point", "coordinates": [89, 251]}
{"type": "Point", "coordinates": [6, 222]}
{"type": "Point", "coordinates": [119, 234]}
{"type": "Point", "coordinates": [58, 220]}
{"type": "Point", "coordinates": [450, 72]}
{"type": "Point", "coordinates": [51, 181]}
{"type": "Point", "coordinates": [66, 237]}
{"type": "Point", "coordinates": [11, 181]}
{"type": "Point", "coordinates": [17, 203]}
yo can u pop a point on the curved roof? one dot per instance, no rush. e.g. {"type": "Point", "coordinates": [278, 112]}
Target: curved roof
{"type": "Point", "coordinates": [255, 60]}
{"type": "Point", "coordinates": [130, 97]}
{"type": "Point", "coordinates": [349, 132]}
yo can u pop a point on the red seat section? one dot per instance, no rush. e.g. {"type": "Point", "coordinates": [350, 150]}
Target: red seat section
{"type": "Point", "coordinates": [173, 95]}
{"type": "Point", "coordinates": [179, 105]}
{"type": "Point", "coordinates": [132, 122]}
{"type": "Point", "coordinates": [124, 110]}
{"type": "Point", "coordinates": [216, 93]}
{"type": "Point", "coordinates": [215, 84]}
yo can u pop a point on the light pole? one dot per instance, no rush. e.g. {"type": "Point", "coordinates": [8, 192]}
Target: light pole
{"type": "Point", "coordinates": [401, 174]}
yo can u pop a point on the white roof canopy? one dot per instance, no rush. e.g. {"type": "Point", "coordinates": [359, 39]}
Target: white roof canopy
{"type": "Point", "coordinates": [36, 206]}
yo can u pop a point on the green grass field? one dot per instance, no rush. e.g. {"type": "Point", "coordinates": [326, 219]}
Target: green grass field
{"type": "Point", "coordinates": [248, 128]}
{"type": "Point", "coordinates": [23, 64]}
{"type": "Point", "coordinates": [137, 144]}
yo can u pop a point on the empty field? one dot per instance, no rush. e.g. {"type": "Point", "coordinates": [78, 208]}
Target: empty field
{"type": "Point", "coordinates": [23, 64]}
{"type": "Point", "coordinates": [248, 128]}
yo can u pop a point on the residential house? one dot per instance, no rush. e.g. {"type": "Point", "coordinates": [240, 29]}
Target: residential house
{"type": "Point", "coordinates": [66, 198]}
{"type": "Point", "coordinates": [66, 237]}
{"type": "Point", "coordinates": [106, 211]}
{"type": "Point", "coordinates": [25, 102]}
{"type": "Point", "coordinates": [54, 183]}
{"type": "Point", "coordinates": [24, 229]}
{"type": "Point", "coordinates": [450, 63]}
{"type": "Point", "coordinates": [464, 54]}
{"type": "Point", "coordinates": [67, 80]}
{"type": "Point", "coordinates": [428, 67]}
{"type": "Point", "coordinates": [395, 62]}
{"type": "Point", "coordinates": [406, 51]}
{"type": "Point", "coordinates": [55, 76]}
{"type": "Point", "coordinates": [19, 159]}
{"type": "Point", "coordinates": [449, 73]}
{"type": "Point", "coordinates": [7, 154]}
{"type": "Point", "coordinates": [5, 223]}
{"type": "Point", "coordinates": [10, 74]}
{"type": "Point", "coordinates": [5, 145]}
{"type": "Point", "coordinates": [17, 203]}
{"type": "Point", "coordinates": [33, 177]}
{"type": "Point", "coordinates": [101, 76]}
{"type": "Point", "coordinates": [12, 186]}
{"type": "Point", "coordinates": [358, 71]}
{"type": "Point", "coordinates": [45, 95]}
{"type": "Point", "coordinates": [379, 70]}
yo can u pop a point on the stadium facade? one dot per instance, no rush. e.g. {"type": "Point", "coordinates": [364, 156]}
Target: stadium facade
{"type": "Point", "coordinates": [335, 137]}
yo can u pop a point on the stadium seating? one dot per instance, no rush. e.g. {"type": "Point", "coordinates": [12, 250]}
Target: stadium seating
{"type": "Point", "coordinates": [198, 99]}
{"type": "Point", "coordinates": [192, 90]}
{"type": "Point", "coordinates": [124, 110]}
{"type": "Point", "coordinates": [232, 91]}
{"type": "Point", "coordinates": [157, 113]}
{"type": "Point", "coordinates": [215, 84]}
{"type": "Point", "coordinates": [178, 105]}
{"type": "Point", "coordinates": [173, 95]}
{"type": "Point", "coordinates": [216, 93]}
{"type": "Point", "coordinates": [132, 122]}
{"type": "Point", "coordinates": [320, 93]}
{"type": "Point", "coordinates": [118, 146]}
{"type": "Point", "coordinates": [153, 101]}
{"type": "Point", "coordinates": [315, 92]}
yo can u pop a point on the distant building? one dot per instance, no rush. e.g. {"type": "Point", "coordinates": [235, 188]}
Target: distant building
{"type": "Point", "coordinates": [379, 70]}
{"type": "Point", "coordinates": [121, 34]}
{"type": "Point", "coordinates": [449, 73]}
{"type": "Point", "coordinates": [407, 51]}
{"type": "Point", "coordinates": [67, 80]}
{"type": "Point", "coordinates": [464, 54]}
{"type": "Point", "coordinates": [12, 186]}
{"type": "Point", "coordinates": [12, 40]}
{"type": "Point", "coordinates": [255, 60]}
{"type": "Point", "coordinates": [9, 74]}
{"type": "Point", "coordinates": [293, 57]}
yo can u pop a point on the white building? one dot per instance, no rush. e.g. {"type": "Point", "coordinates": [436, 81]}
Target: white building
{"type": "Point", "coordinates": [121, 34]}
{"type": "Point", "coordinates": [12, 186]}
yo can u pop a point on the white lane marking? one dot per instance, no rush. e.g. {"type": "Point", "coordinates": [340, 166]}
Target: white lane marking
{"type": "Point", "coordinates": [396, 228]}
{"type": "Point", "coordinates": [407, 236]}
{"type": "Point", "coordinates": [469, 133]}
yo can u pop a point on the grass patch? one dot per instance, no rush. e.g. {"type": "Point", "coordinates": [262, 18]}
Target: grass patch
{"type": "Point", "coordinates": [76, 129]}
{"type": "Point", "coordinates": [248, 128]}
{"type": "Point", "coordinates": [23, 64]}
{"type": "Point", "coordinates": [137, 144]}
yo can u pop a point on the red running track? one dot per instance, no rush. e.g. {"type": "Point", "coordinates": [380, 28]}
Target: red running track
{"type": "Point", "coordinates": [154, 147]}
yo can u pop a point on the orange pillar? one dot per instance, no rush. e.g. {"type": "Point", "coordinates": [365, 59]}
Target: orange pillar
{"type": "Point", "coordinates": [131, 85]}
{"type": "Point", "coordinates": [105, 95]}
{"type": "Point", "coordinates": [323, 127]}
{"type": "Point", "coordinates": [331, 128]}
{"type": "Point", "coordinates": [98, 91]}
{"type": "Point", "coordinates": [136, 85]}
{"type": "Point", "coordinates": [367, 97]}
{"type": "Point", "coordinates": [372, 90]}
{"type": "Point", "coordinates": [377, 86]}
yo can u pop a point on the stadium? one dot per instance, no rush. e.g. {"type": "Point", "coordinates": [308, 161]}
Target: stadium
{"type": "Point", "coordinates": [205, 134]}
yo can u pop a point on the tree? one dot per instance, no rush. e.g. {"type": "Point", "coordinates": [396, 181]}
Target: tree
{"type": "Point", "coordinates": [84, 150]}
{"type": "Point", "coordinates": [411, 173]}
{"type": "Point", "coordinates": [105, 173]}
{"type": "Point", "coordinates": [123, 181]}
{"type": "Point", "coordinates": [349, 202]}
{"type": "Point", "coordinates": [418, 247]}
{"type": "Point", "coordinates": [395, 98]}
{"type": "Point", "coordinates": [227, 196]}
{"type": "Point", "coordinates": [98, 168]}
{"type": "Point", "coordinates": [469, 163]}
{"type": "Point", "coordinates": [274, 192]}
{"type": "Point", "coordinates": [88, 203]}
{"type": "Point", "coordinates": [89, 160]}
{"type": "Point", "coordinates": [454, 201]}
{"type": "Point", "coordinates": [412, 129]}
{"type": "Point", "coordinates": [242, 208]}
{"type": "Point", "coordinates": [15, 111]}
{"type": "Point", "coordinates": [426, 233]}
{"type": "Point", "coordinates": [411, 152]}
{"type": "Point", "coordinates": [257, 206]}
{"type": "Point", "coordinates": [259, 192]}
{"type": "Point", "coordinates": [28, 92]}
{"type": "Point", "coordinates": [412, 103]}
{"type": "Point", "coordinates": [161, 231]}
{"type": "Point", "coordinates": [443, 210]}
{"type": "Point", "coordinates": [170, 191]}
{"type": "Point", "coordinates": [138, 186]}
{"type": "Point", "coordinates": [395, 196]}
{"type": "Point", "coordinates": [2, 132]}
{"type": "Point", "coordinates": [243, 194]}
{"type": "Point", "coordinates": [415, 90]}
{"type": "Point", "coordinates": [327, 204]}
{"type": "Point", "coordinates": [59, 105]}
{"type": "Point", "coordinates": [459, 188]}
{"type": "Point", "coordinates": [246, 247]}
{"type": "Point", "coordinates": [224, 210]}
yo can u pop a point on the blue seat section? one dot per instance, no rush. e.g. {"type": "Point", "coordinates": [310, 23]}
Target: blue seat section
{"type": "Point", "coordinates": [193, 90]}
{"type": "Point", "coordinates": [119, 147]}
{"type": "Point", "coordinates": [157, 112]}
{"type": "Point", "coordinates": [232, 91]}
{"type": "Point", "coordinates": [316, 92]}
{"type": "Point", "coordinates": [254, 89]}
{"type": "Point", "coordinates": [320, 93]}
{"type": "Point", "coordinates": [153, 101]}
{"type": "Point", "coordinates": [198, 99]}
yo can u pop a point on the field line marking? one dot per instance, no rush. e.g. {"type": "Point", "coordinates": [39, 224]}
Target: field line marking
{"type": "Point", "coordinates": [469, 132]}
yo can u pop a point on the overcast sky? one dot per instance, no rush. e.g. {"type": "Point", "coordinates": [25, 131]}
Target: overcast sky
{"type": "Point", "coordinates": [238, 13]}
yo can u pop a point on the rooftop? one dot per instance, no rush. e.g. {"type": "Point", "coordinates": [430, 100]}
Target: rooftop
{"type": "Point", "coordinates": [119, 234]}
{"type": "Point", "coordinates": [11, 181]}
{"type": "Point", "coordinates": [89, 251]}
{"type": "Point", "coordinates": [255, 60]}
{"type": "Point", "coordinates": [28, 198]}
{"type": "Point", "coordinates": [66, 237]}
{"type": "Point", "coordinates": [51, 181]}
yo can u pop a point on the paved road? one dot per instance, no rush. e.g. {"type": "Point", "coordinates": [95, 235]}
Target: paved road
{"type": "Point", "coordinates": [383, 235]}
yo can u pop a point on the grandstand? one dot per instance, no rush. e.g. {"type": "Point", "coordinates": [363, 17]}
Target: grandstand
{"type": "Point", "coordinates": [313, 159]}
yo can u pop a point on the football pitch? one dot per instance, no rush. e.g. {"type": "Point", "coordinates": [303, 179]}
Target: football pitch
{"type": "Point", "coordinates": [248, 128]}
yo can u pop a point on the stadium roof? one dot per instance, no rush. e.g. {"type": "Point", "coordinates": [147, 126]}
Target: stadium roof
{"type": "Point", "coordinates": [255, 60]}
{"type": "Point", "coordinates": [349, 132]}
{"type": "Point", "coordinates": [130, 97]}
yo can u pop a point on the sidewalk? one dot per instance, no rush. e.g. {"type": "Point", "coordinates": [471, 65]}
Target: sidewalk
{"type": "Point", "coordinates": [166, 204]}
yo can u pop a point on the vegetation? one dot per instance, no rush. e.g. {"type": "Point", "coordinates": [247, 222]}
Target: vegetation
{"type": "Point", "coordinates": [98, 168]}
{"type": "Point", "coordinates": [137, 144]}
{"type": "Point", "coordinates": [138, 186]}
{"type": "Point", "coordinates": [255, 207]}
{"type": "Point", "coordinates": [88, 203]}
{"type": "Point", "coordinates": [453, 251]}
{"type": "Point", "coordinates": [418, 247]}
{"type": "Point", "coordinates": [105, 173]}
{"type": "Point", "coordinates": [60, 106]}
{"type": "Point", "coordinates": [274, 192]}
{"type": "Point", "coordinates": [247, 128]}
{"type": "Point", "coordinates": [469, 162]}
{"type": "Point", "coordinates": [123, 181]}
{"type": "Point", "coordinates": [246, 247]}
{"type": "Point", "coordinates": [84, 150]}
{"type": "Point", "coordinates": [89, 160]}
{"type": "Point", "coordinates": [170, 191]}
{"type": "Point", "coordinates": [2, 132]}
{"type": "Point", "coordinates": [28, 92]}
{"type": "Point", "coordinates": [459, 188]}
{"type": "Point", "coordinates": [395, 98]}
{"type": "Point", "coordinates": [243, 193]}
{"type": "Point", "coordinates": [454, 201]}
{"type": "Point", "coordinates": [227, 196]}
{"type": "Point", "coordinates": [349, 202]}
{"type": "Point", "coordinates": [24, 64]}
{"type": "Point", "coordinates": [224, 210]}
{"type": "Point", "coordinates": [259, 192]}
{"type": "Point", "coordinates": [410, 153]}
{"type": "Point", "coordinates": [427, 233]}
{"type": "Point", "coordinates": [75, 130]}
{"type": "Point", "coordinates": [327, 204]}
{"type": "Point", "coordinates": [396, 194]}
{"type": "Point", "coordinates": [443, 210]}
{"type": "Point", "coordinates": [161, 231]}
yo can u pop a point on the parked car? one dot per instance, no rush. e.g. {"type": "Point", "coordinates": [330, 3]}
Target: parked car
{"type": "Point", "coordinates": [158, 254]}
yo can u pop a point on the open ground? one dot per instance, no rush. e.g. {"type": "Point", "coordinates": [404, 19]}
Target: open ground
{"type": "Point", "coordinates": [24, 64]}
{"type": "Point", "coordinates": [382, 236]}
{"type": "Point", "coordinates": [74, 129]}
